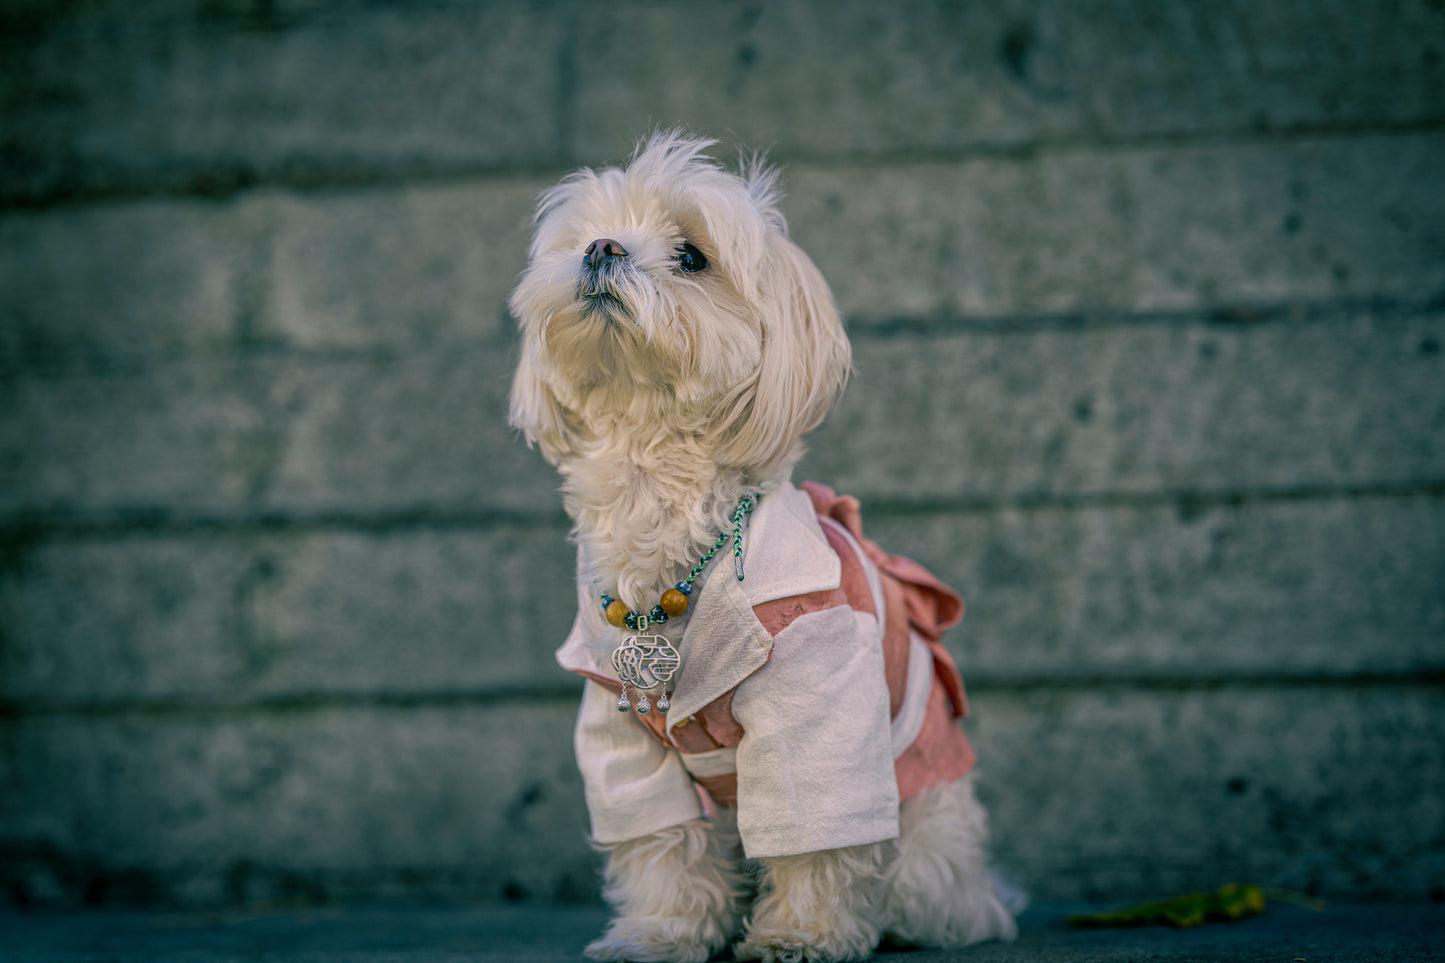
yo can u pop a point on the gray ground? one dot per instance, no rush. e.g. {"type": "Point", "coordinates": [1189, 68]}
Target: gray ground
{"type": "Point", "coordinates": [395, 934]}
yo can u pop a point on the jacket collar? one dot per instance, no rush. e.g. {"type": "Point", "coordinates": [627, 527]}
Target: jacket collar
{"type": "Point", "coordinates": [784, 553]}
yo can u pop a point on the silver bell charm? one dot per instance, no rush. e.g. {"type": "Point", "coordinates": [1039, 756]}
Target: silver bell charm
{"type": "Point", "coordinates": [643, 706]}
{"type": "Point", "coordinates": [663, 705]}
{"type": "Point", "coordinates": [624, 704]}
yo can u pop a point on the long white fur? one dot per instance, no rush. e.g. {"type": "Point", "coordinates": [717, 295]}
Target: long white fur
{"type": "Point", "coordinates": [701, 388]}
{"type": "Point", "coordinates": [938, 891]}
{"type": "Point", "coordinates": [678, 894]}
{"type": "Point", "coordinates": [816, 906]}
{"type": "Point", "coordinates": [662, 397]}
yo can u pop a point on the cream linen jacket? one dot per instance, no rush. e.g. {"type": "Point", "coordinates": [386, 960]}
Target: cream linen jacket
{"type": "Point", "coordinates": [815, 765]}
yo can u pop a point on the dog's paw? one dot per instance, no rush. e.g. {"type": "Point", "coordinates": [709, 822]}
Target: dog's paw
{"type": "Point", "coordinates": [755, 949]}
{"type": "Point", "coordinates": [789, 948]}
{"type": "Point", "coordinates": [656, 939]}
{"type": "Point", "coordinates": [819, 907]}
{"type": "Point", "coordinates": [781, 941]}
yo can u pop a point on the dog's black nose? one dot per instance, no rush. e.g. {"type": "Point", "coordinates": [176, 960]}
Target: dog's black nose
{"type": "Point", "coordinates": [600, 251]}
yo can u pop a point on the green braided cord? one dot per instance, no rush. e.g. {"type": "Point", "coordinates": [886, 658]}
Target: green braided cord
{"type": "Point", "coordinates": [746, 505]}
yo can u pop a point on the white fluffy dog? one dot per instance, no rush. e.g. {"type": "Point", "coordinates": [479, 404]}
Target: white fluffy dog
{"type": "Point", "coordinates": [785, 770]}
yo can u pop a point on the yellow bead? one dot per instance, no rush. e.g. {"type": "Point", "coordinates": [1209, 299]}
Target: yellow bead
{"type": "Point", "coordinates": [673, 602]}
{"type": "Point", "coordinates": [617, 614]}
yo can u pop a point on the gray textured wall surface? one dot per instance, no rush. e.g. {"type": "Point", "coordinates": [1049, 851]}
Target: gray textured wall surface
{"type": "Point", "coordinates": [1148, 305]}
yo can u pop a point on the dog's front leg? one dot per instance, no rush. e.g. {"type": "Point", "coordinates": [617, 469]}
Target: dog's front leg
{"type": "Point", "coordinates": [675, 892]}
{"type": "Point", "coordinates": [821, 907]}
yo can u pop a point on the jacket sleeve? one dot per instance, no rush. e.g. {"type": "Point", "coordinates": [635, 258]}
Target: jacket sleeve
{"type": "Point", "coordinates": [815, 764]}
{"type": "Point", "coordinates": [634, 784]}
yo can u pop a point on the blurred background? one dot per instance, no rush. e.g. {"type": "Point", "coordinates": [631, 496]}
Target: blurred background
{"type": "Point", "coordinates": [1148, 303]}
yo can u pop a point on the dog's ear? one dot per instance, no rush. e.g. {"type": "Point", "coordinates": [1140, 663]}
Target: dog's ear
{"type": "Point", "coordinates": [804, 364]}
{"type": "Point", "coordinates": [535, 410]}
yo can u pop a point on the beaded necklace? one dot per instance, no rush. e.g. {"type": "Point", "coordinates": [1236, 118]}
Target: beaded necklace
{"type": "Point", "coordinates": [646, 661]}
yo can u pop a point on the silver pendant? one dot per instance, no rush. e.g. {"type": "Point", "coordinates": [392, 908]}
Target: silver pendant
{"type": "Point", "coordinates": [646, 662]}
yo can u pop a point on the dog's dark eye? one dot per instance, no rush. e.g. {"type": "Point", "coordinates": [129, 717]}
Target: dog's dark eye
{"type": "Point", "coordinates": [690, 259]}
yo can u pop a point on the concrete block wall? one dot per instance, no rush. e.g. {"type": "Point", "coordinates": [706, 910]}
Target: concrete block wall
{"type": "Point", "coordinates": [1147, 299]}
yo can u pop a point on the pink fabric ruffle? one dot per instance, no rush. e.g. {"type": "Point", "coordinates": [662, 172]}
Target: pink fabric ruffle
{"type": "Point", "coordinates": [932, 607]}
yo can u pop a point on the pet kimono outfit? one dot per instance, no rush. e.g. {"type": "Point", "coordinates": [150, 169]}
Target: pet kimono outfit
{"type": "Point", "coordinates": [813, 695]}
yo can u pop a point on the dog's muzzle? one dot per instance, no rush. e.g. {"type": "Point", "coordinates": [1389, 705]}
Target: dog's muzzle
{"type": "Point", "coordinates": [603, 260]}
